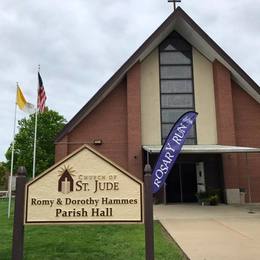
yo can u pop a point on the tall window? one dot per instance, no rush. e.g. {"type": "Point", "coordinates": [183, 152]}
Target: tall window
{"type": "Point", "coordinates": [176, 80]}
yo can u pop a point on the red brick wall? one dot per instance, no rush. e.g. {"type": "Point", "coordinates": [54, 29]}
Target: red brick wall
{"type": "Point", "coordinates": [108, 123]}
{"type": "Point", "coordinates": [237, 124]}
{"type": "Point", "coordinates": [225, 122]}
{"type": "Point", "coordinates": [134, 121]}
{"type": "Point", "coordinates": [247, 126]}
{"type": "Point", "coordinates": [247, 116]}
{"type": "Point", "coordinates": [61, 148]}
{"type": "Point", "coordinates": [224, 104]}
{"type": "Point", "coordinates": [117, 122]}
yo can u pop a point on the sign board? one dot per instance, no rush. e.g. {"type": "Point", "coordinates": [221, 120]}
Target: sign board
{"type": "Point", "coordinates": [85, 187]}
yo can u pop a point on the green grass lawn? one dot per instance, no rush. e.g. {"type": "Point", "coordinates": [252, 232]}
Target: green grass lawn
{"type": "Point", "coordinates": [85, 241]}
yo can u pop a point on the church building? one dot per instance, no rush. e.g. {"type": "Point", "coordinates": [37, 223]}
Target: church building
{"type": "Point", "coordinates": [179, 68]}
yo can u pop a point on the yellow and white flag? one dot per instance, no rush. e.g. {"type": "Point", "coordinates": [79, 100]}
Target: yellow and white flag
{"type": "Point", "coordinates": [22, 103]}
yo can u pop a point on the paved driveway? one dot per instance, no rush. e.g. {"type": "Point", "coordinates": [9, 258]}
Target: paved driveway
{"type": "Point", "coordinates": [213, 232]}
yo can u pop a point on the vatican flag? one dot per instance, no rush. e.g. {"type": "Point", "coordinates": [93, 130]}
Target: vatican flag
{"type": "Point", "coordinates": [22, 103]}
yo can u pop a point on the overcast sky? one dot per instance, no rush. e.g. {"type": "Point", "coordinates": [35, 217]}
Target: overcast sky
{"type": "Point", "coordinates": [80, 44]}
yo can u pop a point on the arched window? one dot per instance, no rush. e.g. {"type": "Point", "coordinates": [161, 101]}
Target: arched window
{"type": "Point", "coordinates": [176, 83]}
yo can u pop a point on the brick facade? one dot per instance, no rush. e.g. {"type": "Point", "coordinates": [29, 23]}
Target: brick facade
{"type": "Point", "coordinates": [134, 121]}
{"type": "Point", "coordinates": [247, 126]}
{"type": "Point", "coordinates": [61, 148]}
{"type": "Point", "coordinates": [225, 122]}
{"type": "Point", "coordinates": [224, 105]}
{"type": "Point", "coordinates": [117, 122]}
{"type": "Point", "coordinates": [237, 124]}
{"type": "Point", "coordinates": [107, 122]}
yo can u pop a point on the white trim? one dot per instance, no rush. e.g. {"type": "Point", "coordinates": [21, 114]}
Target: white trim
{"type": "Point", "coordinates": [206, 148]}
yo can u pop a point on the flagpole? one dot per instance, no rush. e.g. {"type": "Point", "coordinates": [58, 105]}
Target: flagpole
{"type": "Point", "coordinates": [12, 159]}
{"type": "Point", "coordinates": [35, 132]}
{"type": "Point", "coordinates": [34, 143]}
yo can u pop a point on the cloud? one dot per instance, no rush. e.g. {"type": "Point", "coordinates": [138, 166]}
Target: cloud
{"type": "Point", "coordinates": [80, 44]}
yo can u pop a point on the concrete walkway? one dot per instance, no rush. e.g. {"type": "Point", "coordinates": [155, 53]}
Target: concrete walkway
{"type": "Point", "coordinates": [221, 232]}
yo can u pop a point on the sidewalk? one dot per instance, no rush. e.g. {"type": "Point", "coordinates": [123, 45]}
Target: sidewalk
{"type": "Point", "coordinates": [223, 232]}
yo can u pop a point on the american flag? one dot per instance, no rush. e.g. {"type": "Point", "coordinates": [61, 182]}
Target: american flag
{"type": "Point", "coordinates": [41, 94]}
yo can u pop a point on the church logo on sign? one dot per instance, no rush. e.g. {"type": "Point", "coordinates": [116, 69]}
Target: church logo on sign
{"type": "Point", "coordinates": [66, 182]}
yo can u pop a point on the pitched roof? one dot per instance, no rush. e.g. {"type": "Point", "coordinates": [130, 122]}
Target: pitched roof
{"type": "Point", "coordinates": [184, 25]}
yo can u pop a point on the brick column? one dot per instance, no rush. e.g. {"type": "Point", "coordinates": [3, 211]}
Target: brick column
{"type": "Point", "coordinates": [134, 121]}
{"type": "Point", "coordinates": [226, 128]}
{"type": "Point", "coordinates": [224, 104]}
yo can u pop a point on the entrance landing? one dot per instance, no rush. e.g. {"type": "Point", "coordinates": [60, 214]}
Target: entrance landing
{"type": "Point", "coordinates": [213, 232]}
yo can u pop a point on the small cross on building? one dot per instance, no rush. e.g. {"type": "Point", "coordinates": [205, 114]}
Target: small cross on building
{"type": "Point", "coordinates": [174, 3]}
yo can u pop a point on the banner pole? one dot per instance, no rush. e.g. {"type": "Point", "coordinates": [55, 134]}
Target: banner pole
{"type": "Point", "coordinates": [148, 213]}
{"type": "Point", "coordinates": [12, 162]}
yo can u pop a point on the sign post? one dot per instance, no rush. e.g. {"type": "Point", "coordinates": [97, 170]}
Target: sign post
{"type": "Point", "coordinates": [18, 227]}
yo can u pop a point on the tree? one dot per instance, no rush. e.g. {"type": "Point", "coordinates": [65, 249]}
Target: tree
{"type": "Point", "coordinates": [49, 124]}
{"type": "Point", "coordinates": [3, 172]}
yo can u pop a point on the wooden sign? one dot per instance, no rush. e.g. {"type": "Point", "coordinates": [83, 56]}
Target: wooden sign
{"type": "Point", "coordinates": [85, 187]}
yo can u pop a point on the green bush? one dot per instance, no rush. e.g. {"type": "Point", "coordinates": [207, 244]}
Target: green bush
{"type": "Point", "coordinates": [213, 200]}
{"type": "Point", "coordinates": [210, 197]}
